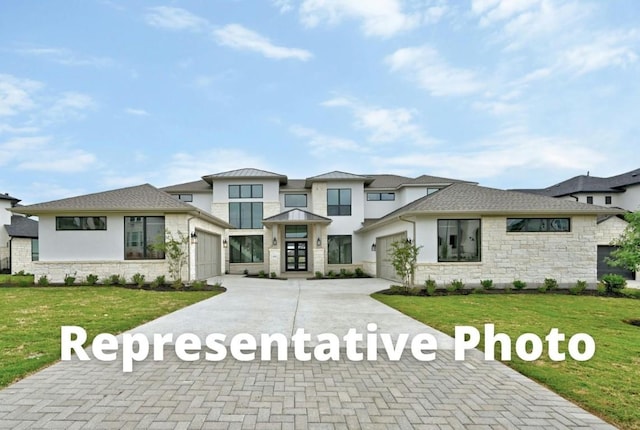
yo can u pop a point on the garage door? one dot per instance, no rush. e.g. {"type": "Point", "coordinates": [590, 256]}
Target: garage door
{"type": "Point", "coordinates": [207, 255]}
{"type": "Point", "coordinates": [384, 268]}
{"type": "Point", "coordinates": [604, 268]}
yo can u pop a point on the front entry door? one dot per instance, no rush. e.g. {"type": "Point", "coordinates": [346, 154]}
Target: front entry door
{"type": "Point", "coordinates": [296, 256]}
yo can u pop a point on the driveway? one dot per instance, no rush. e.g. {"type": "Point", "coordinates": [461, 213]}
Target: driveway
{"type": "Point", "coordinates": [230, 394]}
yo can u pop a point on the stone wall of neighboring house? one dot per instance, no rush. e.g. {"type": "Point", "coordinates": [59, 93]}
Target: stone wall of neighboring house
{"type": "Point", "coordinates": [609, 230]}
{"type": "Point", "coordinates": [4, 257]}
{"type": "Point", "coordinates": [21, 255]}
{"type": "Point", "coordinates": [530, 257]}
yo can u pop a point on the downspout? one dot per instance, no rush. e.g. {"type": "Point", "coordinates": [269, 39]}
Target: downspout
{"type": "Point", "coordinates": [414, 240]}
{"type": "Point", "coordinates": [189, 248]}
{"type": "Point", "coordinates": [10, 254]}
{"type": "Point", "coordinates": [575, 197]}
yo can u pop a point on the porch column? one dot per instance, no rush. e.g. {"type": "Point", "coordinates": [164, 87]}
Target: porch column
{"type": "Point", "coordinates": [319, 252]}
{"type": "Point", "coordinates": [274, 251]}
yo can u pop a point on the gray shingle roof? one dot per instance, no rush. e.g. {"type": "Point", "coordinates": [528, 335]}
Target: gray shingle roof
{"type": "Point", "coordinates": [189, 187]}
{"type": "Point", "coordinates": [294, 184]}
{"type": "Point", "coordinates": [22, 227]}
{"type": "Point", "coordinates": [387, 181]}
{"type": "Point", "coordinates": [589, 184]}
{"type": "Point", "coordinates": [6, 196]}
{"type": "Point", "coordinates": [141, 198]}
{"type": "Point", "coordinates": [296, 216]}
{"type": "Point", "coordinates": [435, 180]}
{"type": "Point", "coordinates": [246, 173]}
{"type": "Point", "coordinates": [463, 198]}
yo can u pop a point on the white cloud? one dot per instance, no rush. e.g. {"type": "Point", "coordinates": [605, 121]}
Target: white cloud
{"type": "Point", "coordinates": [136, 112]}
{"type": "Point", "coordinates": [613, 49]}
{"type": "Point", "coordinates": [382, 18]}
{"type": "Point", "coordinates": [321, 144]}
{"type": "Point", "coordinates": [283, 5]}
{"type": "Point", "coordinates": [70, 105]}
{"type": "Point", "coordinates": [384, 125]}
{"type": "Point", "coordinates": [16, 94]}
{"type": "Point", "coordinates": [424, 65]}
{"type": "Point", "coordinates": [20, 147]}
{"type": "Point", "coordinates": [175, 18]}
{"type": "Point", "coordinates": [238, 37]}
{"type": "Point", "coordinates": [67, 57]}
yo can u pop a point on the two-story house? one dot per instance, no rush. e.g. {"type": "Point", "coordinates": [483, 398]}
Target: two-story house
{"type": "Point", "coordinates": [18, 238]}
{"type": "Point", "coordinates": [253, 220]}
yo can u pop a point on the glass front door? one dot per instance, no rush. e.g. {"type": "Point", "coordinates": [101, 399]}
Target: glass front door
{"type": "Point", "coordinates": [296, 256]}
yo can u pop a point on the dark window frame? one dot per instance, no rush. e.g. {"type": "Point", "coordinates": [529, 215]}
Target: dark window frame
{"type": "Point", "coordinates": [590, 200]}
{"type": "Point", "coordinates": [342, 208]}
{"type": "Point", "coordinates": [548, 228]}
{"type": "Point", "coordinates": [188, 198]}
{"type": "Point", "coordinates": [35, 256]}
{"type": "Point", "coordinates": [296, 231]}
{"type": "Point", "coordinates": [256, 251]}
{"type": "Point", "coordinates": [83, 223]}
{"type": "Point", "coordinates": [607, 200]}
{"type": "Point", "coordinates": [378, 197]}
{"type": "Point", "coordinates": [146, 242]}
{"type": "Point", "coordinates": [342, 259]}
{"type": "Point", "coordinates": [287, 205]}
{"type": "Point", "coordinates": [246, 191]}
{"type": "Point", "coordinates": [254, 221]}
{"type": "Point", "coordinates": [454, 242]}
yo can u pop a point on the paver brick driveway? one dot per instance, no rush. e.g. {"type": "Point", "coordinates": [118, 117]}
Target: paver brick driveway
{"type": "Point", "coordinates": [441, 394]}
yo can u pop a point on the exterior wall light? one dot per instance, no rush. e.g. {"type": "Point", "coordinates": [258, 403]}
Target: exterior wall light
{"type": "Point", "coordinates": [275, 242]}
{"type": "Point", "coordinates": [318, 243]}
{"type": "Point", "coordinates": [373, 247]}
{"type": "Point", "coordinates": [224, 243]}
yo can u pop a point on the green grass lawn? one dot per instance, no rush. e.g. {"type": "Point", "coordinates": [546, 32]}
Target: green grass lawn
{"type": "Point", "coordinates": [607, 385]}
{"type": "Point", "coordinates": [22, 280]}
{"type": "Point", "coordinates": [30, 319]}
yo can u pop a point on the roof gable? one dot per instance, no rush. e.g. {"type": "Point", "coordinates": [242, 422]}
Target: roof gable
{"type": "Point", "coordinates": [246, 173]}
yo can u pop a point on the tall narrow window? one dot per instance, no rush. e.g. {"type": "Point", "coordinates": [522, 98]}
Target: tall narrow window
{"type": "Point", "coordinates": [141, 234]}
{"type": "Point", "coordinates": [590, 200]}
{"type": "Point", "coordinates": [245, 215]}
{"type": "Point", "coordinates": [607, 200]}
{"type": "Point", "coordinates": [459, 240]}
{"type": "Point", "coordinates": [339, 249]}
{"type": "Point", "coordinates": [35, 250]}
{"type": "Point", "coordinates": [339, 201]}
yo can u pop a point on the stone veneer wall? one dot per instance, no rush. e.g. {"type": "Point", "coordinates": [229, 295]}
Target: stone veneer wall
{"type": "Point", "coordinates": [530, 257]}
{"type": "Point", "coordinates": [21, 255]}
{"type": "Point", "coordinates": [609, 230]}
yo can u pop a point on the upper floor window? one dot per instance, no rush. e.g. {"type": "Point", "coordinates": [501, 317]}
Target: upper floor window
{"type": "Point", "coordinates": [184, 197]}
{"type": "Point", "coordinates": [142, 234]}
{"type": "Point", "coordinates": [245, 214]}
{"type": "Point", "coordinates": [607, 200]}
{"type": "Point", "coordinates": [81, 223]}
{"type": "Point", "coordinates": [590, 200]}
{"type": "Point", "coordinates": [295, 200]}
{"type": "Point", "coordinates": [245, 191]}
{"type": "Point", "coordinates": [432, 190]}
{"type": "Point", "coordinates": [338, 201]}
{"type": "Point", "coordinates": [538, 224]}
{"type": "Point", "coordinates": [387, 197]}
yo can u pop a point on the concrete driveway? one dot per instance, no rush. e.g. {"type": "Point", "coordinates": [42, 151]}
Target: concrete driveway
{"type": "Point", "coordinates": [230, 394]}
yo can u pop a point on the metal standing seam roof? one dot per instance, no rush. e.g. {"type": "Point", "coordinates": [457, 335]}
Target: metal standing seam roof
{"type": "Point", "coordinates": [296, 215]}
{"type": "Point", "coordinates": [337, 175]}
{"type": "Point", "coordinates": [22, 227]}
{"type": "Point", "coordinates": [144, 198]}
{"type": "Point", "coordinates": [464, 198]}
{"type": "Point", "coordinates": [246, 173]}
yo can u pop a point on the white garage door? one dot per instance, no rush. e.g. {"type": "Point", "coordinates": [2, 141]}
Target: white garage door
{"type": "Point", "coordinates": [384, 268]}
{"type": "Point", "coordinates": [207, 255]}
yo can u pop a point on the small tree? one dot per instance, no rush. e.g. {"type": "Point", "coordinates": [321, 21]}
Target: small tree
{"type": "Point", "coordinates": [175, 251]}
{"type": "Point", "coordinates": [628, 253]}
{"type": "Point", "coordinates": [404, 258]}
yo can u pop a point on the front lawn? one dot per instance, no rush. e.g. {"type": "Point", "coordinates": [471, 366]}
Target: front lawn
{"type": "Point", "coordinates": [607, 385]}
{"type": "Point", "coordinates": [30, 319]}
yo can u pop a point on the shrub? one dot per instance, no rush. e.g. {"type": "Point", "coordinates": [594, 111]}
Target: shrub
{"type": "Point", "coordinates": [331, 274]}
{"type": "Point", "coordinates": [397, 289]}
{"type": "Point", "coordinates": [487, 284]}
{"type": "Point", "coordinates": [69, 279]}
{"type": "Point", "coordinates": [22, 273]}
{"type": "Point", "coordinates": [550, 284]}
{"type": "Point", "coordinates": [519, 285]}
{"type": "Point", "coordinates": [91, 279]}
{"type": "Point", "coordinates": [262, 274]}
{"type": "Point", "coordinates": [198, 285]}
{"type": "Point", "coordinates": [138, 279]}
{"type": "Point", "coordinates": [457, 284]}
{"type": "Point", "coordinates": [245, 272]}
{"type": "Point", "coordinates": [115, 280]}
{"type": "Point", "coordinates": [273, 275]}
{"type": "Point", "coordinates": [344, 273]}
{"type": "Point", "coordinates": [632, 293]}
{"type": "Point", "coordinates": [430, 286]}
{"type": "Point", "coordinates": [359, 272]}
{"type": "Point", "coordinates": [578, 288]}
{"type": "Point", "coordinates": [43, 281]}
{"type": "Point", "coordinates": [415, 291]}
{"type": "Point", "coordinates": [177, 284]}
{"type": "Point", "coordinates": [613, 283]}
{"type": "Point", "coordinates": [543, 288]}
{"type": "Point", "coordinates": [158, 282]}
{"type": "Point", "coordinates": [24, 283]}
{"type": "Point", "coordinates": [319, 275]}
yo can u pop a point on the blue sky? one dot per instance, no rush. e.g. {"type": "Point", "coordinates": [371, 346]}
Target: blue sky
{"type": "Point", "coordinates": [96, 95]}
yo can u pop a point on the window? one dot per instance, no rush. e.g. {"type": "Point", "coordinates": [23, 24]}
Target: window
{"type": "Point", "coordinates": [35, 250]}
{"type": "Point", "coordinates": [338, 201]}
{"type": "Point", "coordinates": [245, 215]}
{"type": "Point", "coordinates": [339, 249]}
{"type": "Point", "coordinates": [387, 197]}
{"type": "Point", "coordinates": [607, 200]}
{"type": "Point", "coordinates": [295, 231]}
{"type": "Point", "coordinates": [295, 200]}
{"type": "Point", "coordinates": [459, 240]}
{"type": "Point", "coordinates": [141, 234]}
{"type": "Point", "coordinates": [81, 223]}
{"type": "Point", "coordinates": [245, 191]}
{"type": "Point", "coordinates": [246, 249]}
{"type": "Point", "coordinates": [538, 225]}
{"type": "Point", "coordinates": [185, 197]}
{"type": "Point", "coordinates": [590, 200]}
{"type": "Point", "coordinates": [432, 190]}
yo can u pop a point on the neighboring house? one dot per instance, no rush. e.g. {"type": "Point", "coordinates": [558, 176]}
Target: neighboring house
{"type": "Point", "coordinates": [620, 191]}
{"type": "Point", "coordinates": [23, 243]}
{"type": "Point", "coordinates": [253, 220]}
{"type": "Point", "coordinates": [113, 232]}
{"type": "Point", "coordinates": [13, 229]}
